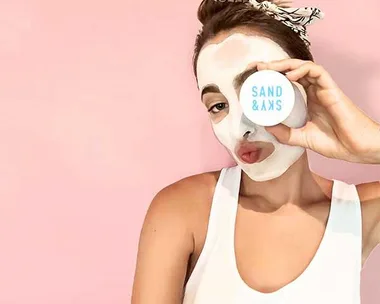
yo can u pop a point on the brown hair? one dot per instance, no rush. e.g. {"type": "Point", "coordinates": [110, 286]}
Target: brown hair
{"type": "Point", "coordinates": [222, 15]}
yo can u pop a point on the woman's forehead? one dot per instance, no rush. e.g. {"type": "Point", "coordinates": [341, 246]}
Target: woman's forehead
{"type": "Point", "coordinates": [231, 56]}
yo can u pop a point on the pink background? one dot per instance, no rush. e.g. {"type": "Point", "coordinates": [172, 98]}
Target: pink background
{"type": "Point", "coordinates": [99, 111]}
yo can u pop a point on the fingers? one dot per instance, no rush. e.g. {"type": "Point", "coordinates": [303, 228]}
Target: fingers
{"type": "Point", "coordinates": [287, 66]}
{"type": "Point", "coordinates": [314, 74]}
{"type": "Point", "coordinates": [304, 72]}
{"type": "Point", "coordinates": [281, 65]}
{"type": "Point", "coordinates": [311, 70]}
{"type": "Point", "coordinates": [306, 84]}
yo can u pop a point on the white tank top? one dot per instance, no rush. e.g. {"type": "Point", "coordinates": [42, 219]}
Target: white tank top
{"type": "Point", "coordinates": [332, 277]}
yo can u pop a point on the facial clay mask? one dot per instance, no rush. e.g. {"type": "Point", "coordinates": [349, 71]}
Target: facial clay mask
{"type": "Point", "coordinates": [223, 66]}
{"type": "Point", "coordinates": [268, 98]}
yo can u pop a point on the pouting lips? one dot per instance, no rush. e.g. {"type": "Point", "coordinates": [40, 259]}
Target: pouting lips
{"type": "Point", "coordinates": [248, 152]}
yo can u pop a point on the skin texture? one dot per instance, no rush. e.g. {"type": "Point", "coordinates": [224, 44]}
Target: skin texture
{"type": "Point", "coordinates": [175, 226]}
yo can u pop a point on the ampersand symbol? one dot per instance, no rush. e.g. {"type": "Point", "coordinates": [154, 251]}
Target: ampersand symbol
{"type": "Point", "coordinates": [255, 107]}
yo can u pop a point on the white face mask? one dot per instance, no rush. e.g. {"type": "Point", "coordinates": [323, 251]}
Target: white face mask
{"type": "Point", "coordinates": [219, 64]}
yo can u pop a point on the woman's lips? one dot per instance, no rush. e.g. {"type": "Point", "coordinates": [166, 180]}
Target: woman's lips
{"type": "Point", "coordinates": [248, 152]}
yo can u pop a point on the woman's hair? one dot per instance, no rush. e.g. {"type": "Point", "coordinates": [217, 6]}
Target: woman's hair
{"type": "Point", "coordinates": [222, 15]}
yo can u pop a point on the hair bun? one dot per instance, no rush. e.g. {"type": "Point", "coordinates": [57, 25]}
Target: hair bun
{"type": "Point", "coordinates": [209, 8]}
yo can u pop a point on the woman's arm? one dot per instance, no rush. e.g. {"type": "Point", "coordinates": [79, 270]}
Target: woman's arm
{"type": "Point", "coordinates": [166, 242]}
{"type": "Point", "coordinates": [337, 129]}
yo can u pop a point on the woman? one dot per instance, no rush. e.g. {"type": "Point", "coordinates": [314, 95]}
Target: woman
{"type": "Point", "coordinates": [267, 230]}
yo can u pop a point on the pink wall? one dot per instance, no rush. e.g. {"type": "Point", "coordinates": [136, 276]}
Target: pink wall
{"type": "Point", "coordinates": [99, 111]}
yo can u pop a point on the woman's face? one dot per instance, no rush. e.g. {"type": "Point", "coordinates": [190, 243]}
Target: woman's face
{"type": "Point", "coordinates": [224, 63]}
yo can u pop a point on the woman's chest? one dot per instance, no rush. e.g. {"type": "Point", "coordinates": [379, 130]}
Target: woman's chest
{"type": "Point", "coordinates": [273, 249]}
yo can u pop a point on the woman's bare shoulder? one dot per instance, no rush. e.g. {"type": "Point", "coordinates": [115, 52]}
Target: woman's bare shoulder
{"type": "Point", "coordinates": [185, 199]}
{"type": "Point", "coordinates": [169, 237]}
{"type": "Point", "coordinates": [193, 186]}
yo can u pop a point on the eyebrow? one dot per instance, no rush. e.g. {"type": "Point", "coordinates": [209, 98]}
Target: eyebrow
{"type": "Point", "coordinates": [239, 79]}
{"type": "Point", "coordinates": [210, 88]}
{"type": "Point", "coordinates": [237, 82]}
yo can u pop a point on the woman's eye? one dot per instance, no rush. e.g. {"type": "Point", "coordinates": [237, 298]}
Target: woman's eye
{"type": "Point", "coordinates": [218, 107]}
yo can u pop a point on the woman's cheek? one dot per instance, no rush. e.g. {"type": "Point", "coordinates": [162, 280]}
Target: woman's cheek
{"type": "Point", "coordinates": [218, 117]}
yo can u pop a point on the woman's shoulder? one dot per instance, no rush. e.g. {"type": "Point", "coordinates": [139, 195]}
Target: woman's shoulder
{"type": "Point", "coordinates": [185, 201]}
{"type": "Point", "coordinates": [171, 229]}
{"type": "Point", "coordinates": [191, 187]}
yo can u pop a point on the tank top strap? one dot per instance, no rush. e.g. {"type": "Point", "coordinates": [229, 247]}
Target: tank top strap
{"type": "Point", "coordinates": [345, 202]}
{"type": "Point", "coordinates": [345, 227]}
{"type": "Point", "coordinates": [225, 200]}
{"type": "Point", "coordinates": [223, 208]}
{"type": "Point", "coordinates": [222, 213]}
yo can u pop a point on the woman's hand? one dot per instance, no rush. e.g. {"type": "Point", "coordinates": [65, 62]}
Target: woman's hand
{"type": "Point", "coordinates": [337, 127]}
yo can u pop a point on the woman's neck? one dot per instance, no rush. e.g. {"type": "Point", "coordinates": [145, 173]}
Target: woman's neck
{"type": "Point", "coordinates": [297, 186]}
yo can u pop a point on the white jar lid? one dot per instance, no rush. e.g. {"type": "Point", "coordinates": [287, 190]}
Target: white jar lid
{"type": "Point", "coordinates": [267, 98]}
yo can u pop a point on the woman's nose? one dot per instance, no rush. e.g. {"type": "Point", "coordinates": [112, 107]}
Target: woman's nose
{"type": "Point", "coordinates": [241, 126]}
{"type": "Point", "coordinates": [245, 121]}
{"type": "Point", "coordinates": [247, 127]}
